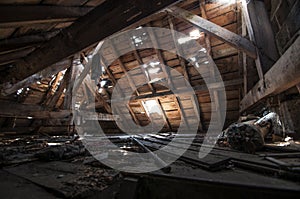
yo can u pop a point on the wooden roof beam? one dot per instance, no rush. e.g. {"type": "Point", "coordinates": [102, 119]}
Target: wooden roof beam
{"type": "Point", "coordinates": [160, 56]}
{"type": "Point", "coordinates": [9, 109]}
{"type": "Point", "coordinates": [219, 32]}
{"type": "Point", "coordinates": [10, 57]}
{"type": "Point", "coordinates": [52, 70]}
{"type": "Point", "coordinates": [284, 74]}
{"type": "Point", "coordinates": [104, 20]}
{"type": "Point", "coordinates": [16, 15]}
{"type": "Point", "coordinates": [13, 44]}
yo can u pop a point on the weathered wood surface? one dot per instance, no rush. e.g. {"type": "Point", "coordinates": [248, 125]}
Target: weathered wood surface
{"type": "Point", "coordinates": [284, 74]}
{"type": "Point", "coordinates": [16, 15]}
{"type": "Point", "coordinates": [210, 28]}
{"type": "Point", "coordinates": [89, 29]}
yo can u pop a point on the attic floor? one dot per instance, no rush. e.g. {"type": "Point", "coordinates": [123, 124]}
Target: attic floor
{"type": "Point", "coordinates": [76, 174]}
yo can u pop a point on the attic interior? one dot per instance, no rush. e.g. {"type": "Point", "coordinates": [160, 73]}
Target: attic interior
{"type": "Point", "coordinates": [149, 99]}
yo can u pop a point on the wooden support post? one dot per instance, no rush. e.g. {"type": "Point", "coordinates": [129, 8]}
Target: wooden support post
{"type": "Point", "coordinates": [70, 80]}
{"type": "Point", "coordinates": [207, 36]}
{"type": "Point", "coordinates": [261, 33]}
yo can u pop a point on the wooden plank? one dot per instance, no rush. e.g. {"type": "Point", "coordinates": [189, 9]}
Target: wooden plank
{"type": "Point", "coordinates": [210, 28]}
{"type": "Point", "coordinates": [284, 74]}
{"type": "Point", "coordinates": [16, 15]}
{"type": "Point", "coordinates": [89, 29]}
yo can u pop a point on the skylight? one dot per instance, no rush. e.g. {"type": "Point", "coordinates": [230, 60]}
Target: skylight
{"type": "Point", "coordinates": [151, 107]}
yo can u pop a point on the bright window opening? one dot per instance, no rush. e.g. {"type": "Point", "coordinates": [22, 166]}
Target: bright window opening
{"type": "Point", "coordinates": [151, 107]}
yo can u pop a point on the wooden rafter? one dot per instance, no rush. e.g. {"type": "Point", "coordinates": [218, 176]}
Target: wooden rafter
{"type": "Point", "coordinates": [181, 109]}
{"type": "Point", "coordinates": [15, 43]}
{"type": "Point", "coordinates": [122, 66]}
{"type": "Point", "coordinates": [58, 93]}
{"type": "Point", "coordinates": [160, 56]}
{"type": "Point", "coordinates": [219, 32]}
{"type": "Point", "coordinates": [141, 63]}
{"type": "Point", "coordinates": [52, 70]}
{"type": "Point", "coordinates": [136, 120]}
{"type": "Point", "coordinates": [16, 15]}
{"type": "Point", "coordinates": [14, 56]}
{"type": "Point", "coordinates": [98, 96]}
{"type": "Point", "coordinates": [163, 114]}
{"type": "Point", "coordinates": [185, 71]}
{"type": "Point", "coordinates": [89, 29]}
{"type": "Point", "coordinates": [284, 74]}
{"type": "Point", "coordinates": [52, 88]}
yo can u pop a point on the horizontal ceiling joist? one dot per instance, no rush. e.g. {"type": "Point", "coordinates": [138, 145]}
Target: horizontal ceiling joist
{"type": "Point", "coordinates": [284, 74]}
{"type": "Point", "coordinates": [215, 30]}
{"type": "Point", "coordinates": [103, 21]}
{"type": "Point", "coordinates": [16, 15]}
